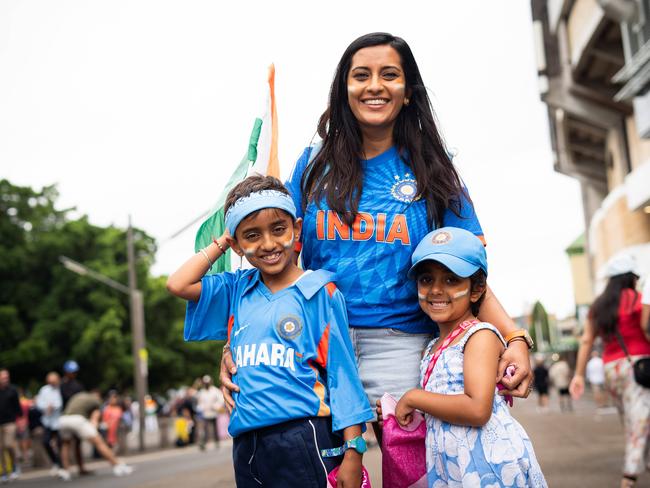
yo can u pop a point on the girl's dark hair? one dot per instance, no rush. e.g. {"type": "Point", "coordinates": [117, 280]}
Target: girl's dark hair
{"type": "Point", "coordinates": [335, 172]}
{"type": "Point", "coordinates": [478, 281]}
{"type": "Point", "coordinates": [604, 311]}
{"type": "Point", "coordinates": [253, 184]}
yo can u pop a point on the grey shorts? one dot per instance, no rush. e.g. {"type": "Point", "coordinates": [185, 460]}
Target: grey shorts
{"type": "Point", "coordinates": [388, 360]}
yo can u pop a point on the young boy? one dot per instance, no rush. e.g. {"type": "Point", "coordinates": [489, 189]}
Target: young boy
{"type": "Point", "coordinates": [299, 391]}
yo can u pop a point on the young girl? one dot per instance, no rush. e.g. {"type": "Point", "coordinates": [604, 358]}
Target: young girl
{"type": "Point", "coordinates": [299, 391]}
{"type": "Point", "coordinates": [472, 440]}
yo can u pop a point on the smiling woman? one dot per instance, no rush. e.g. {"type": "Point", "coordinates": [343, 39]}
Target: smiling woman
{"type": "Point", "coordinates": [381, 180]}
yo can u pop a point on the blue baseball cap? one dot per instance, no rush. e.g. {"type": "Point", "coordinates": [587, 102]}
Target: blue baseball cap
{"type": "Point", "coordinates": [457, 249]}
{"type": "Point", "coordinates": [70, 366]}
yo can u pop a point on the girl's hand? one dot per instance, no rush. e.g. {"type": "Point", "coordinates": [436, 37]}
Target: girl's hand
{"type": "Point", "coordinates": [228, 369]}
{"type": "Point", "coordinates": [380, 419]}
{"type": "Point", "coordinates": [404, 410]}
{"type": "Point", "coordinates": [520, 384]}
{"type": "Point", "coordinates": [227, 237]}
{"type": "Point", "coordinates": [577, 386]}
{"type": "Point", "coordinates": [349, 474]}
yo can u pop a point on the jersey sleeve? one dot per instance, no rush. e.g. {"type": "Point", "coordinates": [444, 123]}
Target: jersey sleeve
{"type": "Point", "coordinates": [348, 402]}
{"type": "Point", "coordinates": [293, 183]}
{"type": "Point", "coordinates": [207, 319]}
{"type": "Point", "coordinates": [467, 219]}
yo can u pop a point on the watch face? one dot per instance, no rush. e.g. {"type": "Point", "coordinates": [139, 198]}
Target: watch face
{"type": "Point", "coordinates": [359, 444]}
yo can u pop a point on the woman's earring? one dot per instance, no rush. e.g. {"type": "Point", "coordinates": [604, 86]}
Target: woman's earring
{"type": "Point", "coordinates": [406, 101]}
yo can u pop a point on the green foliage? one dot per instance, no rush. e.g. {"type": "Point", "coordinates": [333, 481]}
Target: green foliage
{"type": "Point", "coordinates": [49, 314]}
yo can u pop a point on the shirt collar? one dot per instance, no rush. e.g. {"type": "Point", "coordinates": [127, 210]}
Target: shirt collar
{"type": "Point", "coordinates": [308, 284]}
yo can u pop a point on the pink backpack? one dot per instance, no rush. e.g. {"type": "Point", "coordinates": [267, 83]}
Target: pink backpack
{"type": "Point", "coordinates": [404, 463]}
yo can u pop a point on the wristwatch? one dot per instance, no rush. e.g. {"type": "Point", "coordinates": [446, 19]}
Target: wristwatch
{"type": "Point", "coordinates": [358, 444]}
{"type": "Point", "coordinates": [521, 334]}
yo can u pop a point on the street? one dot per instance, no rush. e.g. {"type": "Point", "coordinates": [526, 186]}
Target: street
{"type": "Point", "coordinates": [575, 449]}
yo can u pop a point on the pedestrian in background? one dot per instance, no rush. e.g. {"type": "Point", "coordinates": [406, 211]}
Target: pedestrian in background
{"type": "Point", "coordinates": [111, 417]}
{"type": "Point", "coordinates": [209, 403]}
{"type": "Point", "coordinates": [616, 316]}
{"type": "Point", "coordinates": [23, 438]}
{"type": "Point", "coordinates": [50, 403]}
{"type": "Point", "coordinates": [80, 419]}
{"type": "Point", "coordinates": [70, 386]}
{"type": "Point", "coordinates": [595, 374]}
{"type": "Point", "coordinates": [540, 380]}
{"type": "Point", "coordinates": [9, 411]}
{"type": "Point", "coordinates": [560, 375]}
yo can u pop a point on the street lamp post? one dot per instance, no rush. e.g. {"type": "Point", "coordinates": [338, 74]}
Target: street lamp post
{"type": "Point", "coordinates": [136, 311]}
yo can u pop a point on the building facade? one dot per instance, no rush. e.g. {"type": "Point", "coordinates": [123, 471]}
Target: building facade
{"type": "Point", "coordinates": [593, 61]}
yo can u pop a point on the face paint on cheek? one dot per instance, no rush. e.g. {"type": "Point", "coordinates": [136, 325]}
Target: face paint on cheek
{"type": "Point", "coordinates": [249, 253]}
{"type": "Point", "coordinates": [421, 297]}
{"type": "Point", "coordinates": [289, 243]}
{"type": "Point", "coordinates": [460, 294]}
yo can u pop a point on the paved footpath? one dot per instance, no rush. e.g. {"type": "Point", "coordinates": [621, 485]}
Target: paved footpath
{"type": "Point", "coordinates": [578, 449]}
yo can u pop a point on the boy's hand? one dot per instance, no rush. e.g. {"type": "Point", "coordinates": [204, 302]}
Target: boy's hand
{"type": "Point", "coordinates": [349, 474]}
{"type": "Point", "coordinates": [403, 410]}
{"type": "Point", "coordinates": [228, 369]}
{"type": "Point", "coordinates": [380, 418]}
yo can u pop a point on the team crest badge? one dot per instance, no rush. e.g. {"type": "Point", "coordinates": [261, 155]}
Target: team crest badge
{"type": "Point", "coordinates": [289, 327]}
{"type": "Point", "coordinates": [404, 189]}
{"type": "Point", "coordinates": [442, 237]}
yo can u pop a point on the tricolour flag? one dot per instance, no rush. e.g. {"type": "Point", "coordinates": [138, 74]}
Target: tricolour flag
{"type": "Point", "coordinates": [261, 158]}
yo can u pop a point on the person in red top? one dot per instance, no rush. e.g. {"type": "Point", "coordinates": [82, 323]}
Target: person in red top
{"type": "Point", "coordinates": [618, 311]}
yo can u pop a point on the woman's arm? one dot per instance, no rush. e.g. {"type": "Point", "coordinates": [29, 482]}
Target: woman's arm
{"type": "Point", "coordinates": [645, 310]}
{"type": "Point", "coordinates": [577, 386]}
{"type": "Point", "coordinates": [517, 352]}
{"type": "Point", "coordinates": [645, 321]}
{"type": "Point", "coordinates": [474, 406]}
{"type": "Point", "coordinates": [185, 282]}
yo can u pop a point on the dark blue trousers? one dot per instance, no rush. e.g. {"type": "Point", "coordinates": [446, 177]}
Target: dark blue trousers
{"type": "Point", "coordinates": [286, 455]}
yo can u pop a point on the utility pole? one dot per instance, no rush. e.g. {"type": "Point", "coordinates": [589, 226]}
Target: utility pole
{"type": "Point", "coordinates": [140, 368]}
{"type": "Point", "coordinates": [136, 310]}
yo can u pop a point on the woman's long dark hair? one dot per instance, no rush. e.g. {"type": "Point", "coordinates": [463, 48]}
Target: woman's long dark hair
{"type": "Point", "coordinates": [336, 173]}
{"type": "Point", "coordinates": [604, 310]}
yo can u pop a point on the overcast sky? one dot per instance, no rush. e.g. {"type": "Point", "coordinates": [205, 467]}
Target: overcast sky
{"type": "Point", "coordinates": [145, 107]}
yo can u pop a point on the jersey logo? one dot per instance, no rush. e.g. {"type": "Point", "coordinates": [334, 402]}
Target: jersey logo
{"type": "Point", "coordinates": [404, 189]}
{"type": "Point", "coordinates": [380, 228]}
{"type": "Point", "coordinates": [275, 355]}
{"type": "Point", "coordinates": [289, 327]}
{"type": "Point", "coordinates": [240, 329]}
{"type": "Point", "coordinates": [441, 237]}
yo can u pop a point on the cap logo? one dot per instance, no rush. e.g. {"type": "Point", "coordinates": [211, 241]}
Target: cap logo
{"type": "Point", "coordinates": [289, 327]}
{"type": "Point", "coordinates": [441, 238]}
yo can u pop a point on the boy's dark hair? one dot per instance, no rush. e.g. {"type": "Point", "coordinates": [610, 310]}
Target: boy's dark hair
{"type": "Point", "coordinates": [478, 281]}
{"type": "Point", "coordinates": [250, 185]}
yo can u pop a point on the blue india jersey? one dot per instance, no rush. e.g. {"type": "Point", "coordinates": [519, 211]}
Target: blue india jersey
{"type": "Point", "coordinates": [292, 349]}
{"type": "Point", "coordinates": [371, 259]}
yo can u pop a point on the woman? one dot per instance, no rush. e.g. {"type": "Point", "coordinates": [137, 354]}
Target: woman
{"type": "Point", "coordinates": [617, 311]}
{"type": "Point", "coordinates": [379, 182]}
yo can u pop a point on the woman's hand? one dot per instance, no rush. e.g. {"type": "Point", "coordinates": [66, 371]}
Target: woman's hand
{"type": "Point", "coordinates": [577, 386]}
{"type": "Point", "coordinates": [520, 384]}
{"type": "Point", "coordinates": [350, 474]}
{"type": "Point", "coordinates": [404, 410]}
{"type": "Point", "coordinates": [228, 369]}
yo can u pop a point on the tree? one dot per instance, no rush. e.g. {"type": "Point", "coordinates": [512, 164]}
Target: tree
{"type": "Point", "coordinates": [48, 314]}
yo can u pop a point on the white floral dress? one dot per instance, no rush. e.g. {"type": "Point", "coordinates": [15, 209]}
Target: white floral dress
{"type": "Point", "coordinates": [499, 454]}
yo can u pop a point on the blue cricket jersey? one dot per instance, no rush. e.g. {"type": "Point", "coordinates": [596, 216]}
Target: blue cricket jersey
{"type": "Point", "coordinates": [292, 349]}
{"type": "Point", "coordinates": [371, 259]}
